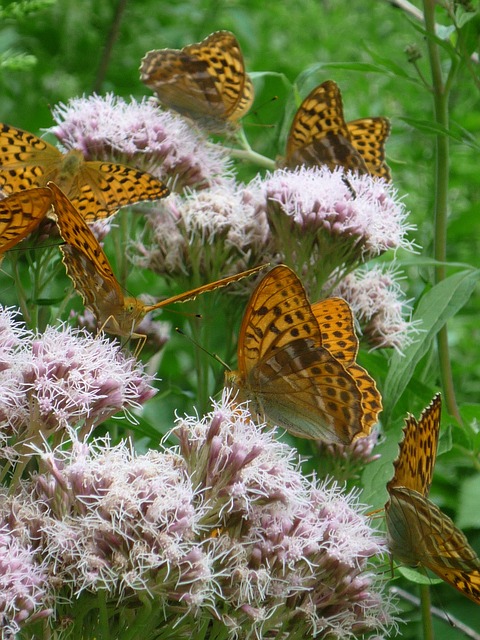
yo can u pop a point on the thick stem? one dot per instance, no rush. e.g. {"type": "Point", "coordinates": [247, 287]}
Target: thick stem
{"type": "Point", "coordinates": [440, 96]}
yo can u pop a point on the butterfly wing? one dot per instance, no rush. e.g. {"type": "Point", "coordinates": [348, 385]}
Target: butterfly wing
{"type": "Point", "coordinates": [319, 133]}
{"type": "Point", "coordinates": [418, 450]}
{"type": "Point", "coordinates": [205, 81]}
{"type": "Point", "coordinates": [283, 369]}
{"type": "Point", "coordinates": [99, 189]}
{"type": "Point", "coordinates": [368, 136]}
{"type": "Point", "coordinates": [26, 161]}
{"type": "Point", "coordinates": [21, 213]}
{"type": "Point", "coordinates": [211, 286]}
{"type": "Point", "coordinates": [335, 320]}
{"type": "Point", "coordinates": [420, 533]}
{"type": "Point", "coordinates": [85, 261]}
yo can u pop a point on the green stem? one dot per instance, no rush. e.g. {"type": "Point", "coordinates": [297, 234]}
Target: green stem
{"type": "Point", "coordinates": [426, 603]}
{"type": "Point", "coordinates": [440, 96]}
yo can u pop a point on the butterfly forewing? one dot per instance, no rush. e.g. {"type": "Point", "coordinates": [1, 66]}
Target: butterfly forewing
{"type": "Point", "coordinates": [21, 213]}
{"type": "Point", "coordinates": [205, 81]}
{"type": "Point", "coordinates": [418, 450]}
{"type": "Point", "coordinates": [319, 133]}
{"type": "Point", "coordinates": [98, 189]}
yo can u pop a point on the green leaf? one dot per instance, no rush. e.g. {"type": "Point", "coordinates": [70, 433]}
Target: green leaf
{"type": "Point", "coordinates": [468, 515]}
{"type": "Point", "coordinates": [415, 576]}
{"type": "Point", "coordinates": [439, 304]}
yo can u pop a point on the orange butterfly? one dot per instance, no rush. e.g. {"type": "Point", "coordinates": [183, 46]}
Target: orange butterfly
{"type": "Point", "coordinates": [97, 189]}
{"type": "Point", "coordinates": [296, 363]}
{"type": "Point", "coordinates": [320, 135]}
{"type": "Point", "coordinates": [88, 267]}
{"type": "Point", "coordinates": [205, 81]}
{"type": "Point", "coordinates": [418, 532]}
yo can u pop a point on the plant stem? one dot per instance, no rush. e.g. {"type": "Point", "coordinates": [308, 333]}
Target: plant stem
{"type": "Point", "coordinates": [440, 97]}
{"type": "Point", "coordinates": [425, 600]}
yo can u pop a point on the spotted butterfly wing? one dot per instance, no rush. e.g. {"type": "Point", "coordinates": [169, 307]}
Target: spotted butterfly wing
{"type": "Point", "coordinates": [418, 450]}
{"type": "Point", "coordinates": [420, 533]}
{"type": "Point", "coordinates": [335, 321]}
{"type": "Point", "coordinates": [284, 371]}
{"type": "Point", "coordinates": [205, 81]}
{"type": "Point", "coordinates": [97, 189]}
{"type": "Point", "coordinates": [20, 214]}
{"type": "Point", "coordinates": [368, 136]}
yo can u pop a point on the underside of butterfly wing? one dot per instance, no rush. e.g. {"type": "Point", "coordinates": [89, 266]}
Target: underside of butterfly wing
{"type": "Point", "coordinates": [419, 533]}
{"type": "Point", "coordinates": [302, 389]}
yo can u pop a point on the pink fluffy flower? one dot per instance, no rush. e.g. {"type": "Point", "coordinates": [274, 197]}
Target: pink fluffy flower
{"type": "Point", "coordinates": [324, 223]}
{"type": "Point", "coordinates": [378, 302]}
{"type": "Point", "coordinates": [223, 531]}
{"type": "Point", "coordinates": [142, 135]}
{"type": "Point", "coordinates": [62, 378]}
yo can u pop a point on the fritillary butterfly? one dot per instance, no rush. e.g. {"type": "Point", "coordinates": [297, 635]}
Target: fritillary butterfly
{"type": "Point", "coordinates": [320, 135]}
{"type": "Point", "coordinates": [418, 532]}
{"type": "Point", "coordinates": [21, 213]}
{"type": "Point", "coordinates": [97, 189]}
{"type": "Point", "coordinates": [91, 273]}
{"type": "Point", "coordinates": [205, 81]}
{"type": "Point", "coordinates": [295, 377]}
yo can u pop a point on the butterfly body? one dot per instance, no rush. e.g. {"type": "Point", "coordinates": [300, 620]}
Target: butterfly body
{"type": "Point", "coordinates": [205, 81]}
{"type": "Point", "coordinates": [418, 532]}
{"type": "Point", "coordinates": [97, 189]}
{"type": "Point", "coordinates": [290, 379]}
{"type": "Point", "coordinates": [320, 135]}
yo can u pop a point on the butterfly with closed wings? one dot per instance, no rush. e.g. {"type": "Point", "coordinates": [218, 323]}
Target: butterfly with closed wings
{"type": "Point", "coordinates": [418, 532]}
{"type": "Point", "coordinates": [91, 273]}
{"type": "Point", "coordinates": [205, 81]}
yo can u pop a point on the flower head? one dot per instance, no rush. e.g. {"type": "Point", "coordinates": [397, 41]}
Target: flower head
{"type": "Point", "coordinates": [142, 135]}
{"type": "Point", "coordinates": [223, 528]}
{"type": "Point", "coordinates": [210, 233]}
{"type": "Point", "coordinates": [378, 302]}
{"type": "Point", "coordinates": [23, 582]}
{"type": "Point", "coordinates": [62, 378]}
{"type": "Point", "coordinates": [324, 222]}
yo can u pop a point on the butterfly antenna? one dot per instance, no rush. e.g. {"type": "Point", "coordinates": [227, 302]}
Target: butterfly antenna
{"type": "Point", "coordinates": [199, 346]}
